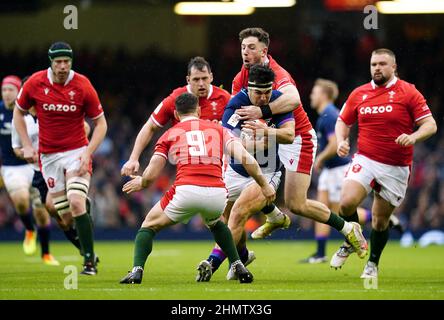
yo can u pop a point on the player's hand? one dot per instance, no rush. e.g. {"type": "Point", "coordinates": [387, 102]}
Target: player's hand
{"type": "Point", "coordinates": [135, 184]}
{"type": "Point", "coordinates": [269, 193]}
{"type": "Point", "coordinates": [29, 154]}
{"type": "Point", "coordinates": [85, 162]}
{"type": "Point", "coordinates": [318, 165]}
{"type": "Point", "coordinates": [131, 167]}
{"type": "Point", "coordinates": [405, 140]}
{"type": "Point", "coordinates": [343, 148]}
{"type": "Point", "coordinates": [249, 113]}
{"type": "Point", "coordinates": [258, 128]}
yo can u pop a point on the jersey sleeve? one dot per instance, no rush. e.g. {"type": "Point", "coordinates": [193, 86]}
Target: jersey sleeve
{"type": "Point", "coordinates": [236, 86]}
{"type": "Point", "coordinates": [93, 107]}
{"type": "Point", "coordinates": [418, 105]}
{"type": "Point", "coordinates": [280, 119]}
{"type": "Point", "coordinates": [164, 112]}
{"type": "Point", "coordinates": [163, 145]}
{"type": "Point", "coordinates": [283, 79]}
{"type": "Point", "coordinates": [24, 99]}
{"type": "Point", "coordinates": [348, 112]}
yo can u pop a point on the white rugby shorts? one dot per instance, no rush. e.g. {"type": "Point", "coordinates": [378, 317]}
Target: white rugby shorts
{"type": "Point", "coordinates": [299, 156]}
{"type": "Point", "coordinates": [236, 183]}
{"type": "Point", "coordinates": [331, 180]}
{"type": "Point", "coordinates": [183, 202]}
{"type": "Point", "coordinates": [390, 182]}
{"type": "Point", "coordinates": [56, 165]}
{"type": "Point", "coordinates": [17, 177]}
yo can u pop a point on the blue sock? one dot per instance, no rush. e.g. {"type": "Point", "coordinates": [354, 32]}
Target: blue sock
{"type": "Point", "coordinates": [368, 215]}
{"type": "Point", "coordinates": [217, 256]}
{"type": "Point", "coordinates": [43, 233]}
{"type": "Point", "coordinates": [322, 242]}
{"type": "Point", "coordinates": [243, 254]}
{"type": "Point", "coordinates": [27, 221]}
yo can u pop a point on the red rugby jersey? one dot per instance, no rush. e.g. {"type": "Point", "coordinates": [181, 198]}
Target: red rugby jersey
{"type": "Point", "coordinates": [282, 79]}
{"type": "Point", "coordinates": [211, 107]}
{"type": "Point", "coordinates": [196, 146]}
{"type": "Point", "coordinates": [61, 109]}
{"type": "Point", "coordinates": [383, 114]}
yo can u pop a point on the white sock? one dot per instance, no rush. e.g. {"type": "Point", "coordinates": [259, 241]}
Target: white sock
{"type": "Point", "coordinates": [275, 216]}
{"type": "Point", "coordinates": [347, 228]}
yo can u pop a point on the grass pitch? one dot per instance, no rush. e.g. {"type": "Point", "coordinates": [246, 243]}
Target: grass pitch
{"type": "Point", "coordinates": [406, 273]}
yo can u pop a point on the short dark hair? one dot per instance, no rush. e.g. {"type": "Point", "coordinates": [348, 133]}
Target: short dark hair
{"type": "Point", "coordinates": [199, 63]}
{"type": "Point", "coordinates": [259, 33]}
{"type": "Point", "coordinates": [260, 74]}
{"type": "Point", "coordinates": [385, 51]}
{"type": "Point", "coordinates": [186, 103]}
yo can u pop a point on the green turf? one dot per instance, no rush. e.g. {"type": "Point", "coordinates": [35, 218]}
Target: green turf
{"type": "Point", "coordinates": [407, 273]}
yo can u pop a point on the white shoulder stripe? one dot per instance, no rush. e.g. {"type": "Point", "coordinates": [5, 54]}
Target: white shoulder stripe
{"type": "Point", "coordinates": [424, 116]}
{"type": "Point", "coordinates": [155, 121]}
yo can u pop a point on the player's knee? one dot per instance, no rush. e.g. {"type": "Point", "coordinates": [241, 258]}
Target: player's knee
{"type": "Point", "coordinates": [347, 206]}
{"type": "Point", "coordinates": [296, 207]}
{"type": "Point", "coordinates": [36, 201]}
{"type": "Point", "coordinates": [77, 205]}
{"type": "Point", "coordinates": [21, 202]}
{"type": "Point", "coordinates": [238, 216]}
{"type": "Point", "coordinates": [380, 223]}
{"type": "Point", "coordinates": [41, 217]}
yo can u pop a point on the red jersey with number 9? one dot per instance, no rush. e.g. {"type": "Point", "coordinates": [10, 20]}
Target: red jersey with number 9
{"type": "Point", "coordinates": [197, 147]}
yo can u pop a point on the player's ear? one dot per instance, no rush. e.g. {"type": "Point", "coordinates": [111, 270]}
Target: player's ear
{"type": "Point", "coordinates": [176, 115]}
{"type": "Point", "coordinates": [211, 77]}
{"type": "Point", "coordinates": [264, 51]}
{"type": "Point", "coordinates": [188, 79]}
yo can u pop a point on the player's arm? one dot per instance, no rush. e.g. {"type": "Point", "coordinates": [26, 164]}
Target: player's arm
{"type": "Point", "coordinates": [282, 135]}
{"type": "Point", "coordinates": [342, 132]}
{"type": "Point", "coordinates": [18, 153]}
{"type": "Point", "coordinates": [287, 102]}
{"type": "Point", "coordinates": [426, 128]}
{"type": "Point", "coordinates": [29, 153]}
{"type": "Point", "coordinates": [237, 151]}
{"type": "Point", "coordinates": [143, 138]}
{"type": "Point", "coordinates": [99, 132]}
{"type": "Point", "coordinates": [87, 128]}
{"type": "Point", "coordinates": [16, 144]}
{"type": "Point", "coordinates": [151, 173]}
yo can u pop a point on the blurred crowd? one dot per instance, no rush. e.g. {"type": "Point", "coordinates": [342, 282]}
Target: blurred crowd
{"type": "Point", "coordinates": [131, 85]}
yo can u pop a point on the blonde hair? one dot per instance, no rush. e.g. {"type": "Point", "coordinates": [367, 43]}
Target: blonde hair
{"type": "Point", "coordinates": [329, 87]}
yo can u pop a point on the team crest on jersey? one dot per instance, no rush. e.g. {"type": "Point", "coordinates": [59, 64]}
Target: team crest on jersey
{"type": "Point", "coordinates": [356, 168]}
{"type": "Point", "coordinates": [46, 90]}
{"type": "Point", "coordinates": [391, 94]}
{"type": "Point", "coordinates": [364, 97]}
{"type": "Point", "coordinates": [71, 95]}
{"type": "Point", "coordinates": [214, 105]}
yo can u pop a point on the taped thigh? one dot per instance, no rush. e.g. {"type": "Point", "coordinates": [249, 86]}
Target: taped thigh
{"type": "Point", "coordinates": [77, 185]}
{"type": "Point", "coordinates": [61, 204]}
